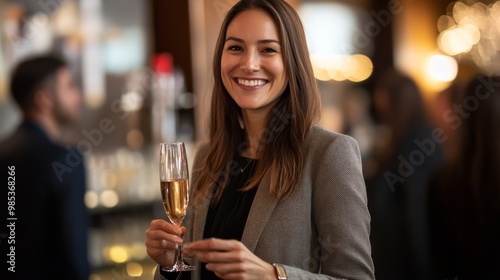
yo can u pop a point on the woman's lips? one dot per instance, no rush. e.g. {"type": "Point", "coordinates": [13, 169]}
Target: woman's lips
{"type": "Point", "coordinates": [249, 84]}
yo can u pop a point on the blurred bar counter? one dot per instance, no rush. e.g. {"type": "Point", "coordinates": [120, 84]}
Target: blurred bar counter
{"type": "Point", "coordinates": [123, 196]}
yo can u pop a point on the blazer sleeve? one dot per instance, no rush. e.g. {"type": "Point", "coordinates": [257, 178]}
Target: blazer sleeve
{"type": "Point", "coordinates": [340, 214]}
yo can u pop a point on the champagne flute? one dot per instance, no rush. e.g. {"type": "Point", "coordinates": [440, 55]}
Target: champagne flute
{"type": "Point", "coordinates": [174, 178]}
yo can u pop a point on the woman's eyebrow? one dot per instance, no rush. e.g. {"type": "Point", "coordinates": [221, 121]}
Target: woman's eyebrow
{"type": "Point", "coordinates": [264, 41]}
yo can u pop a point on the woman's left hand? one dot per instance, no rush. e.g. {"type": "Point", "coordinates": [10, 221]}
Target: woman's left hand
{"type": "Point", "coordinates": [229, 259]}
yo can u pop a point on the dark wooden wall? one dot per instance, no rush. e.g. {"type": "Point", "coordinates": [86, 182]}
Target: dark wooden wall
{"type": "Point", "coordinates": [171, 33]}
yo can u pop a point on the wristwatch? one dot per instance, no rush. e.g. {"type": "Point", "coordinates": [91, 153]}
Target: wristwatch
{"type": "Point", "coordinates": [280, 271]}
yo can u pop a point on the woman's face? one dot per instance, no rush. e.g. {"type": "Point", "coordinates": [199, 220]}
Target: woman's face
{"type": "Point", "coordinates": [252, 64]}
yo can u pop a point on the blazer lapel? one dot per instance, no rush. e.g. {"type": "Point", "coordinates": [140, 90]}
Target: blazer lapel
{"type": "Point", "coordinates": [200, 217]}
{"type": "Point", "coordinates": [262, 207]}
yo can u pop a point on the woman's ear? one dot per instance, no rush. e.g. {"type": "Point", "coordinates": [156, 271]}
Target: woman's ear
{"type": "Point", "coordinates": [43, 101]}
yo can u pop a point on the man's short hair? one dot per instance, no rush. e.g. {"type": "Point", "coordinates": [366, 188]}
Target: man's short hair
{"type": "Point", "coordinates": [30, 75]}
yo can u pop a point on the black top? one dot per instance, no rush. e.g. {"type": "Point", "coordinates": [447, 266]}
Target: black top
{"type": "Point", "coordinates": [227, 218]}
{"type": "Point", "coordinates": [52, 220]}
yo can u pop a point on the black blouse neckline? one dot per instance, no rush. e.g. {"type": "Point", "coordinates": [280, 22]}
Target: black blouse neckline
{"type": "Point", "coordinates": [226, 219]}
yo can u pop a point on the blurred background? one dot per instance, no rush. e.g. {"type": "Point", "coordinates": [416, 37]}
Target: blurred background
{"type": "Point", "coordinates": [146, 66]}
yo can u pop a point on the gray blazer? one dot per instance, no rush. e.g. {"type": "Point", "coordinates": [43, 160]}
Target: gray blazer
{"type": "Point", "coordinates": [319, 232]}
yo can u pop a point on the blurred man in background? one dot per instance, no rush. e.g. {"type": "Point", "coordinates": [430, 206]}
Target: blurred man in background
{"type": "Point", "coordinates": [51, 219]}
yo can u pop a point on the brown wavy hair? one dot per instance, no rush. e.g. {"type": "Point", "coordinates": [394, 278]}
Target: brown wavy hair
{"type": "Point", "coordinates": [280, 149]}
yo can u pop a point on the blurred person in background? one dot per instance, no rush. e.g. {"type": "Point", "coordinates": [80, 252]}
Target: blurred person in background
{"type": "Point", "coordinates": [397, 180]}
{"type": "Point", "coordinates": [465, 195]}
{"type": "Point", "coordinates": [445, 117]}
{"type": "Point", "coordinates": [52, 220]}
{"type": "Point", "coordinates": [357, 121]}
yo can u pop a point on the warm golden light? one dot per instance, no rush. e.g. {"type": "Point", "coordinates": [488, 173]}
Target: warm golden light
{"type": "Point", "coordinates": [118, 254]}
{"type": "Point", "coordinates": [445, 22]}
{"type": "Point", "coordinates": [134, 269]}
{"type": "Point", "coordinates": [442, 68]}
{"type": "Point", "coordinates": [454, 41]}
{"type": "Point", "coordinates": [473, 32]}
{"type": "Point", "coordinates": [91, 199]}
{"type": "Point", "coordinates": [109, 198]}
{"type": "Point", "coordinates": [363, 68]}
{"type": "Point", "coordinates": [459, 11]}
{"type": "Point", "coordinates": [337, 67]}
{"type": "Point", "coordinates": [65, 20]}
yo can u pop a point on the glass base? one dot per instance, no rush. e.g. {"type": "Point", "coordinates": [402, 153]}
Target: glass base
{"type": "Point", "coordinates": [178, 267]}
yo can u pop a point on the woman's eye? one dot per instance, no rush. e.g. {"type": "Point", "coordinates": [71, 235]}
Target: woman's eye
{"type": "Point", "coordinates": [234, 48]}
{"type": "Point", "coordinates": [269, 50]}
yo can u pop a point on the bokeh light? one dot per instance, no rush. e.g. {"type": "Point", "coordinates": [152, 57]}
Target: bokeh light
{"type": "Point", "coordinates": [91, 199]}
{"type": "Point", "coordinates": [109, 198]}
{"type": "Point", "coordinates": [134, 269]}
{"type": "Point", "coordinates": [442, 68]}
{"type": "Point", "coordinates": [341, 67]}
{"type": "Point", "coordinates": [118, 254]}
{"type": "Point", "coordinates": [472, 32]}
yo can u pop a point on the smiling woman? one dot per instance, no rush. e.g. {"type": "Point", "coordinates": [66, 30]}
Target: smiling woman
{"type": "Point", "coordinates": [274, 196]}
{"type": "Point", "coordinates": [252, 65]}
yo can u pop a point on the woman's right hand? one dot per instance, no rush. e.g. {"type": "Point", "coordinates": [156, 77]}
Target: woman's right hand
{"type": "Point", "coordinates": [161, 240]}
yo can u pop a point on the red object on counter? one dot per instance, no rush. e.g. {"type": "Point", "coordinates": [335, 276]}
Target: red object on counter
{"type": "Point", "coordinates": [163, 63]}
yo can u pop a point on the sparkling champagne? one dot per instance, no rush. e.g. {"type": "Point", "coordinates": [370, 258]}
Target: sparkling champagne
{"type": "Point", "coordinates": [174, 188]}
{"type": "Point", "coordinates": [175, 199]}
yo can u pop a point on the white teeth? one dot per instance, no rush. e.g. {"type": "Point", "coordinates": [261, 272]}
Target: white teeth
{"type": "Point", "coordinates": [251, 83]}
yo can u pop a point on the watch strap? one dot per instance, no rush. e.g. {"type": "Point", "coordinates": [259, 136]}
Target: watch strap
{"type": "Point", "coordinates": [280, 271]}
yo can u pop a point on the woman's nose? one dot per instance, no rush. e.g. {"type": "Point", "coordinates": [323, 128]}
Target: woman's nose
{"type": "Point", "coordinates": [250, 62]}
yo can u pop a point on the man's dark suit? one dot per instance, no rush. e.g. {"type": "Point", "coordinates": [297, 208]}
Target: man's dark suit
{"type": "Point", "coordinates": [52, 221]}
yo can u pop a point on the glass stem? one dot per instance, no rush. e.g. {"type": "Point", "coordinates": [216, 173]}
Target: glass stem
{"type": "Point", "coordinates": [179, 254]}
{"type": "Point", "coordinates": [179, 251]}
